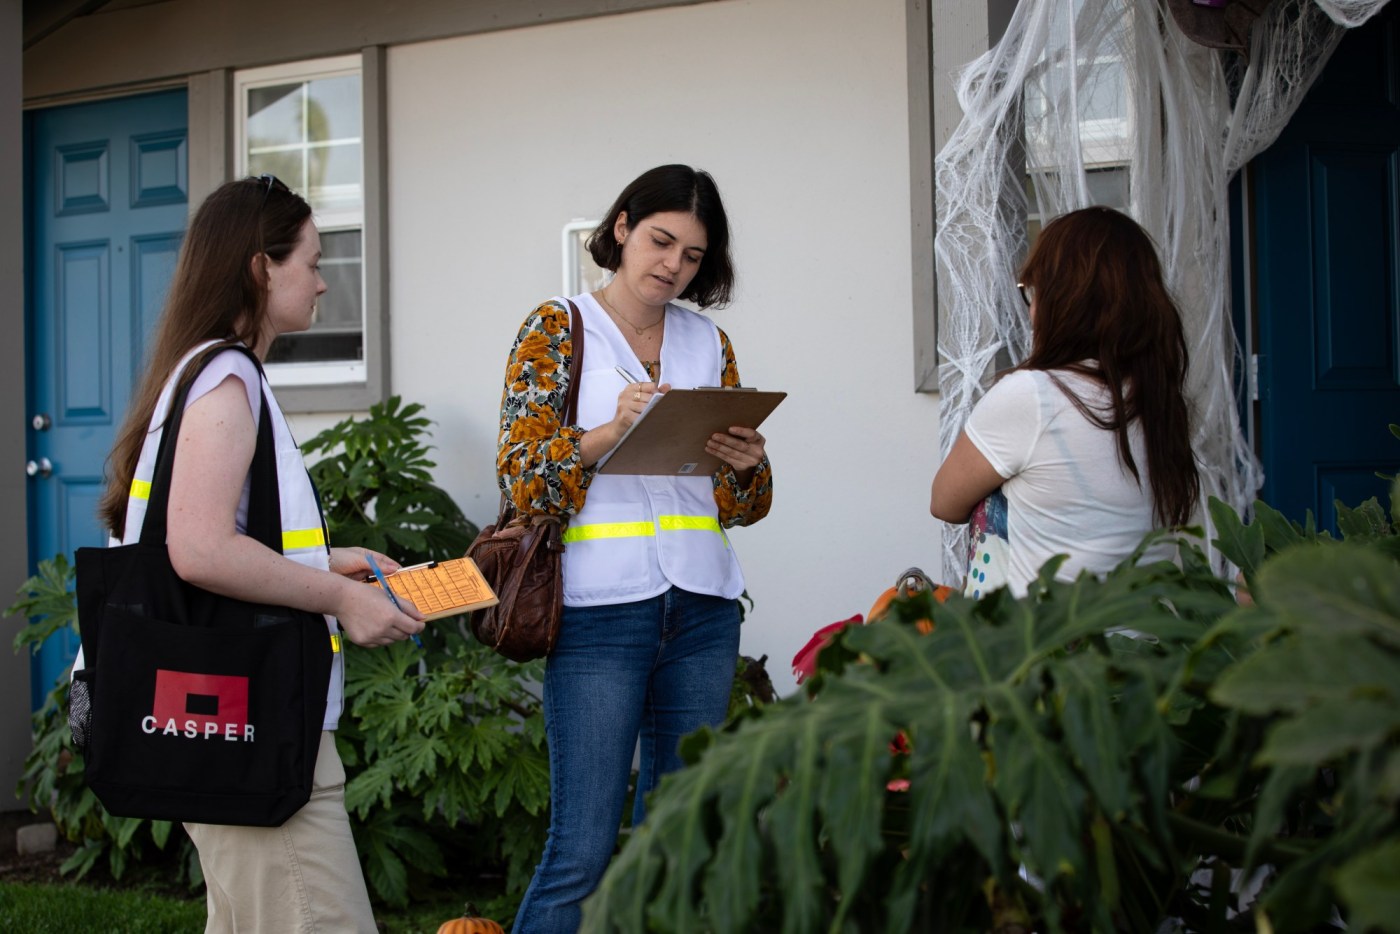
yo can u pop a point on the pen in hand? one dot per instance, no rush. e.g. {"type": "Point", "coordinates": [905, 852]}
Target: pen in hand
{"type": "Point", "coordinates": [389, 592]}
{"type": "Point", "coordinates": [627, 376]}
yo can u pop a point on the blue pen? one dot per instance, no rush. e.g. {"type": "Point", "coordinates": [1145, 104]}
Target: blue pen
{"type": "Point", "coordinates": [379, 576]}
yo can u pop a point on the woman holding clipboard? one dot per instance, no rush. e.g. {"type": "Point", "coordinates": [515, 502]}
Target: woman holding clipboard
{"type": "Point", "coordinates": [650, 631]}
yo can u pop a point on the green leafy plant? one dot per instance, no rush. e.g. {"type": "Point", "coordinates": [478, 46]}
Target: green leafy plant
{"type": "Point", "coordinates": [377, 489]}
{"type": "Point", "coordinates": [1061, 775]}
{"type": "Point", "coordinates": [444, 745]}
{"type": "Point", "coordinates": [444, 754]}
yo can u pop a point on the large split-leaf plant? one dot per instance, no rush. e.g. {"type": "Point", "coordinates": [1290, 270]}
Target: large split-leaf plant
{"type": "Point", "coordinates": [1116, 754]}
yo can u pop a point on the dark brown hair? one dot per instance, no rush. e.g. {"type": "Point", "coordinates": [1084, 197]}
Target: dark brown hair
{"type": "Point", "coordinates": [215, 294]}
{"type": "Point", "coordinates": [1103, 310]}
{"type": "Point", "coordinates": [674, 188]}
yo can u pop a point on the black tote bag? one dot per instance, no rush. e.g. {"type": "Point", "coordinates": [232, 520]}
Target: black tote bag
{"type": "Point", "coordinates": [200, 707]}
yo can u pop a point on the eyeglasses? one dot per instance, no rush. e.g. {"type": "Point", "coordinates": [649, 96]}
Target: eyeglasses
{"type": "Point", "coordinates": [271, 181]}
{"type": "Point", "coordinates": [1027, 293]}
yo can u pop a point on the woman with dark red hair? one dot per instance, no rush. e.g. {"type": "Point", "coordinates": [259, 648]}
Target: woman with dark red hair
{"type": "Point", "coordinates": [1089, 439]}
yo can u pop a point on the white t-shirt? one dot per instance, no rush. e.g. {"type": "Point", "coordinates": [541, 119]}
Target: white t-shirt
{"type": "Point", "coordinates": [1066, 490]}
{"type": "Point", "coordinates": [214, 373]}
{"type": "Point", "coordinates": [218, 370]}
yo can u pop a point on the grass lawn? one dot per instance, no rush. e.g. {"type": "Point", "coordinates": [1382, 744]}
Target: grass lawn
{"type": "Point", "coordinates": [41, 908]}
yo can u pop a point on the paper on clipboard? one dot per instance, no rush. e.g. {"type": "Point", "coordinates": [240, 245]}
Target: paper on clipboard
{"type": "Point", "coordinates": [668, 438]}
{"type": "Point", "coordinates": [442, 588]}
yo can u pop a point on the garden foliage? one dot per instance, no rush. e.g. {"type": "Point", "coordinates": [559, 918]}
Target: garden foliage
{"type": "Point", "coordinates": [1218, 768]}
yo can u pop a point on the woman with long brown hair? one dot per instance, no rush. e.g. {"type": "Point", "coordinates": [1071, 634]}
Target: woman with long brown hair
{"type": "Point", "coordinates": [1089, 439]}
{"type": "Point", "coordinates": [248, 272]}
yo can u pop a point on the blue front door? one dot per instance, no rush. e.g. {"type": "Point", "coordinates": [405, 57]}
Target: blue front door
{"type": "Point", "coordinates": [1327, 222]}
{"type": "Point", "coordinates": [107, 209]}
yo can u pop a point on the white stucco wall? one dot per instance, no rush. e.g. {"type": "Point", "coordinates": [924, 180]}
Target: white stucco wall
{"type": "Point", "coordinates": [798, 108]}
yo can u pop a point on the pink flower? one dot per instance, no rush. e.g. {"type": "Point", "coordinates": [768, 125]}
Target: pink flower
{"type": "Point", "coordinates": [804, 663]}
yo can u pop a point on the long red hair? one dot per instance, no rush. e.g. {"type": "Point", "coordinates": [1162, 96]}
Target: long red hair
{"type": "Point", "coordinates": [1103, 310]}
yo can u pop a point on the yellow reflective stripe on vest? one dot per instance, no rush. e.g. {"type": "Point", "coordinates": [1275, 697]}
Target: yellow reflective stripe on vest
{"type": "Point", "coordinates": [141, 489]}
{"type": "Point", "coordinates": [597, 530]}
{"type": "Point", "coordinates": [303, 538]}
{"type": "Point", "coordinates": [583, 533]}
{"type": "Point", "coordinates": [693, 523]}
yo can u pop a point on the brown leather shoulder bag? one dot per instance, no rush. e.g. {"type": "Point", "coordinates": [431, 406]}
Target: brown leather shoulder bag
{"type": "Point", "coordinates": [521, 558]}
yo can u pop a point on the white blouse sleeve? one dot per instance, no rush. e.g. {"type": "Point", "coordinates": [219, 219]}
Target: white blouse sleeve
{"type": "Point", "coordinates": [1006, 423]}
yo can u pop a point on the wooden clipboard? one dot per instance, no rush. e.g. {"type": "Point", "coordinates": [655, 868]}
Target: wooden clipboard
{"type": "Point", "coordinates": [669, 439]}
{"type": "Point", "coordinates": [442, 588]}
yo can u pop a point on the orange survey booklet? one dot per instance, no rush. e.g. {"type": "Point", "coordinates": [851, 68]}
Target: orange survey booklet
{"type": "Point", "coordinates": [442, 588]}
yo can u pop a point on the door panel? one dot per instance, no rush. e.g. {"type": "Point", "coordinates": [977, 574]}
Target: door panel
{"type": "Point", "coordinates": [107, 212]}
{"type": "Point", "coordinates": [1327, 224]}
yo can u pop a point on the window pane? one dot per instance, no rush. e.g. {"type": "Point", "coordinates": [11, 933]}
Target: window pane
{"type": "Point", "coordinates": [285, 164]}
{"type": "Point", "coordinates": [334, 108]}
{"type": "Point", "coordinates": [337, 333]}
{"type": "Point", "coordinates": [335, 178]}
{"type": "Point", "coordinates": [1104, 96]}
{"type": "Point", "coordinates": [305, 124]}
{"type": "Point", "coordinates": [274, 116]}
{"type": "Point", "coordinates": [1109, 186]}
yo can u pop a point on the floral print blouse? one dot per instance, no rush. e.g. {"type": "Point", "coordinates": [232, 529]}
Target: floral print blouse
{"type": "Point", "coordinates": [538, 461]}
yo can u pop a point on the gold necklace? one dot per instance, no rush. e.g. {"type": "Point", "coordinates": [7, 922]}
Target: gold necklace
{"type": "Point", "coordinates": [603, 294]}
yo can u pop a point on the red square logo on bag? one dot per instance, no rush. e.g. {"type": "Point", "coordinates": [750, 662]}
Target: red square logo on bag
{"type": "Point", "coordinates": [198, 705]}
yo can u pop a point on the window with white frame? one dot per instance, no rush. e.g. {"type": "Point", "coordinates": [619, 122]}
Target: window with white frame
{"type": "Point", "coordinates": [303, 122]}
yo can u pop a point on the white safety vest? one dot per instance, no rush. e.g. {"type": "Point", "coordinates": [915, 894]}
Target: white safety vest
{"type": "Point", "coordinates": [303, 533]}
{"type": "Point", "coordinates": [637, 536]}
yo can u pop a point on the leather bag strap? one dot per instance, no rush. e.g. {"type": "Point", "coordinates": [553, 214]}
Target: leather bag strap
{"type": "Point", "coordinates": [575, 363]}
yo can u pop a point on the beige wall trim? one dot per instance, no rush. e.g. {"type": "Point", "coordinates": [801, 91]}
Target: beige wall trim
{"type": "Point", "coordinates": [15, 742]}
{"type": "Point", "coordinates": [210, 149]}
{"type": "Point", "coordinates": [87, 95]}
{"type": "Point", "coordinates": [919, 32]}
{"type": "Point", "coordinates": [119, 47]}
{"type": "Point", "coordinates": [375, 82]}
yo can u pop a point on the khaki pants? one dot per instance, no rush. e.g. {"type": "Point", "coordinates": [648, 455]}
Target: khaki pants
{"type": "Point", "coordinates": [301, 878]}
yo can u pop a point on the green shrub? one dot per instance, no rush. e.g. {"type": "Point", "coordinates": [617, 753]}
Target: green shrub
{"type": "Point", "coordinates": [1058, 775]}
{"type": "Point", "coordinates": [444, 751]}
{"type": "Point", "coordinates": [377, 489]}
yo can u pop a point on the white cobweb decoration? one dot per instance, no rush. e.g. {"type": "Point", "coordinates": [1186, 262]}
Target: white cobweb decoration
{"type": "Point", "coordinates": [1109, 103]}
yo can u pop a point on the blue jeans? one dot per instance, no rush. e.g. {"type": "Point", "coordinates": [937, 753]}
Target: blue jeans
{"type": "Point", "coordinates": [659, 668]}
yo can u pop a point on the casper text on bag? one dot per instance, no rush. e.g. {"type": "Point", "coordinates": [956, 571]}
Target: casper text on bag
{"type": "Point", "coordinates": [196, 705]}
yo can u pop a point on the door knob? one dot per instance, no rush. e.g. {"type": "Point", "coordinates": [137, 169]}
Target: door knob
{"type": "Point", "coordinates": [41, 422]}
{"type": "Point", "coordinates": [43, 467]}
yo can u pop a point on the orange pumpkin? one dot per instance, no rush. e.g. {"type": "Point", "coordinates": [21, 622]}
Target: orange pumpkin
{"type": "Point", "coordinates": [470, 926]}
{"type": "Point", "coordinates": [911, 581]}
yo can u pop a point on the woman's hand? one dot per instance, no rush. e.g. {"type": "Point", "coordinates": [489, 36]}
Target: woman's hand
{"type": "Point", "coordinates": [631, 402]}
{"type": "Point", "coordinates": [370, 618]}
{"type": "Point", "coordinates": [741, 448]}
{"type": "Point", "coordinates": [352, 563]}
